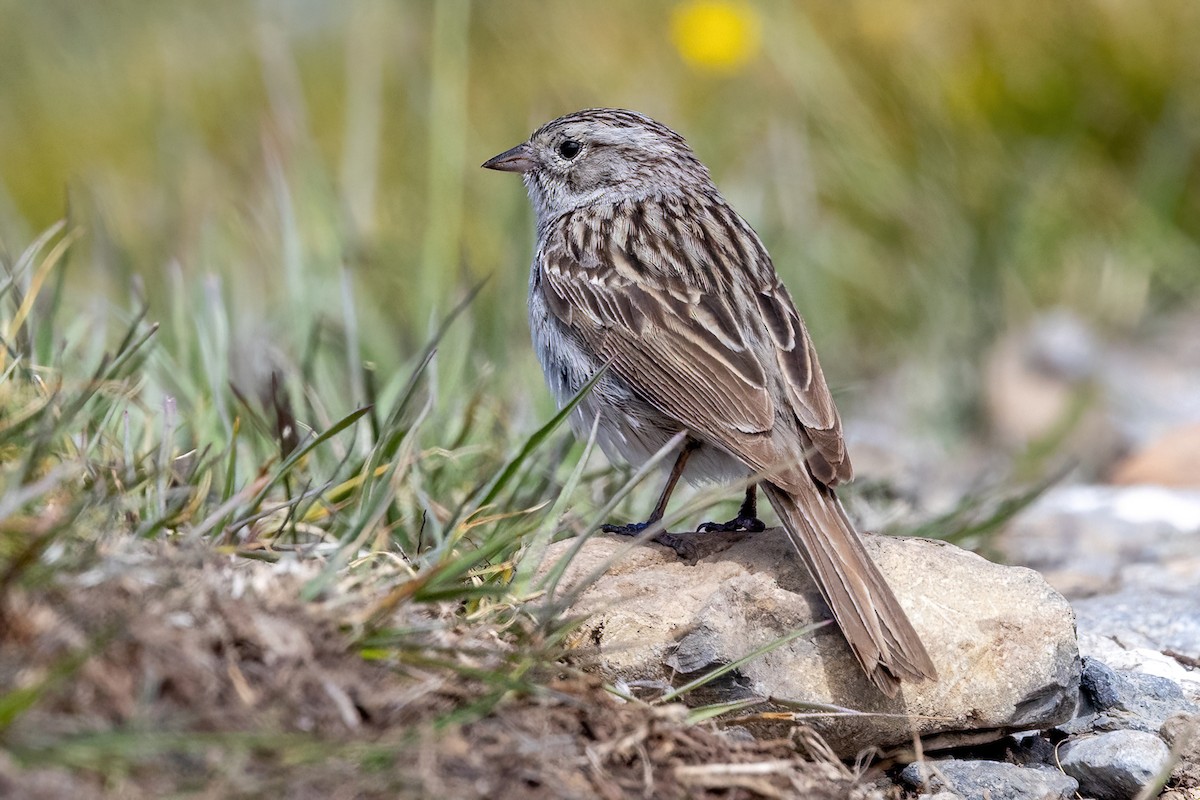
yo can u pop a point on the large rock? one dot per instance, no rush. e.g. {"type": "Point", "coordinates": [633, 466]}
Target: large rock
{"type": "Point", "coordinates": [1002, 640]}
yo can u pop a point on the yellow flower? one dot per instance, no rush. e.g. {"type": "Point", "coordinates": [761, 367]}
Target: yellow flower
{"type": "Point", "coordinates": [717, 35]}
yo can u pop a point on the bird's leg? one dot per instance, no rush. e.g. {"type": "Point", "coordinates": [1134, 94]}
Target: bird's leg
{"type": "Point", "coordinates": [746, 520]}
{"type": "Point", "coordinates": [684, 548]}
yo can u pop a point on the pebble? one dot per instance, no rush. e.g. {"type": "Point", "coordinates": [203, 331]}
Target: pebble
{"type": "Point", "coordinates": [1114, 765]}
{"type": "Point", "coordinates": [1120, 700]}
{"type": "Point", "coordinates": [989, 780]}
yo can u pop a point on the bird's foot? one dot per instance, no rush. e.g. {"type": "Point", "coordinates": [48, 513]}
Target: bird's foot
{"type": "Point", "coordinates": [680, 543]}
{"type": "Point", "coordinates": [748, 524]}
{"type": "Point", "coordinates": [632, 529]}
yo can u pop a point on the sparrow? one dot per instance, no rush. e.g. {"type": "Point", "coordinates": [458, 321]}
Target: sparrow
{"type": "Point", "coordinates": [643, 271]}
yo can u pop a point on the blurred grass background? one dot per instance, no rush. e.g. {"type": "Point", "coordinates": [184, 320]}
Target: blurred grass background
{"type": "Point", "coordinates": [270, 208]}
{"type": "Point", "coordinates": [924, 173]}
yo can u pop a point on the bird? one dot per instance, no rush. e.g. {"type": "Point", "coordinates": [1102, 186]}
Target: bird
{"type": "Point", "coordinates": [644, 275]}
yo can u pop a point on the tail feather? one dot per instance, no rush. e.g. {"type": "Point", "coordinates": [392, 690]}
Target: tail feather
{"type": "Point", "coordinates": [879, 632]}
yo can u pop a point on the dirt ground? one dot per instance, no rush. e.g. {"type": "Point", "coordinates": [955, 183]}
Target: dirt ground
{"type": "Point", "coordinates": [170, 671]}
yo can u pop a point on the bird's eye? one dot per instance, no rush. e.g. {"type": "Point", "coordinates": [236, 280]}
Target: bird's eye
{"type": "Point", "coordinates": [569, 149]}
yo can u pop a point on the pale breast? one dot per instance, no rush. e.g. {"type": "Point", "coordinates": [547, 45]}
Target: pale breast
{"type": "Point", "coordinates": [630, 430]}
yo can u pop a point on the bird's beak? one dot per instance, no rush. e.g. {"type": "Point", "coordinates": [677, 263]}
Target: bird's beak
{"type": "Point", "coordinates": [518, 159]}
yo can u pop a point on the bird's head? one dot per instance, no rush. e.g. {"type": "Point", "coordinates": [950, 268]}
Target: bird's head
{"type": "Point", "coordinates": [600, 155]}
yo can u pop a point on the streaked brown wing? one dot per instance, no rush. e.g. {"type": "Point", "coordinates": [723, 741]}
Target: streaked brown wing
{"type": "Point", "coordinates": [811, 401]}
{"type": "Point", "coordinates": [657, 297]}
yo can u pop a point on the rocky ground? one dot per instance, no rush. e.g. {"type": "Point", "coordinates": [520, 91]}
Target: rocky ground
{"type": "Point", "coordinates": [1069, 659]}
{"type": "Point", "coordinates": [1047, 690]}
{"type": "Point", "coordinates": [1075, 672]}
{"type": "Point", "coordinates": [182, 672]}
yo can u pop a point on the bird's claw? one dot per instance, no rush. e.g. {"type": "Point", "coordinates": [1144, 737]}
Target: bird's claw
{"type": "Point", "coordinates": [681, 544]}
{"type": "Point", "coordinates": [631, 529]}
{"type": "Point", "coordinates": [748, 524]}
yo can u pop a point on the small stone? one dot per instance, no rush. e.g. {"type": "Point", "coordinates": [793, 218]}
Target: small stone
{"type": "Point", "coordinates": [989, 780]}
{"type": "Point", "coordinates": [1128, 659]}
{"type": "Point", "coordinates": [1030, 751]}
{"type": "Point", "coordinates": [1114, 765]}
{"type": "Point", "coordinates": [1121, 700]}
{"type": "Point", "coordinates": [943, 795]}
{"type": "Point", "coordinates": [737, 733]}
{"type": "Point", "coordinates": [1100, 684]}
{"type": "Point", "coordinates": [1182, 733]}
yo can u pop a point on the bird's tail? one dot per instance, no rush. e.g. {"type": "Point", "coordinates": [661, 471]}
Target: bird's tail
{"type": "Point", "coordinates": [879, 632]}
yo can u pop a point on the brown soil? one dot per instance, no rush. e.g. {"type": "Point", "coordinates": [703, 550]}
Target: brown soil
{"type": "Point", "coordinates": [168, 671]}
